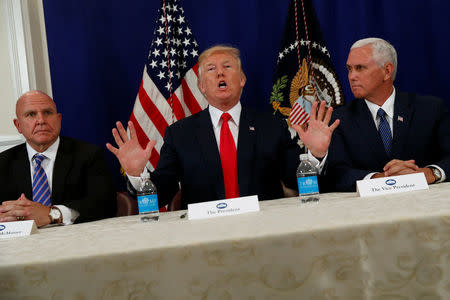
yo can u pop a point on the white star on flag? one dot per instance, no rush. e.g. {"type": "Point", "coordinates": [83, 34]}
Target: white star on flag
{"type": "Point", "coordinates": [168, 91]}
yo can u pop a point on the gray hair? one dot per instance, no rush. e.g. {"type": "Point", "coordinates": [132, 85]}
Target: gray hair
{"type": "Point", "coordinates": [383, 52]}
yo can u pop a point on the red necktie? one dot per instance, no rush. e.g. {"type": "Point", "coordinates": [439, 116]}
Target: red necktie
{"type": "Point", "coordinates": [228, 157]}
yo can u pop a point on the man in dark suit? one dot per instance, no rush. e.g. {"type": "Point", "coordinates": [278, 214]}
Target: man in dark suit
{"type": "Point", "coordinates": [385, 132]}
{"type": "Point", "coordinates": [52, 179]}
{"type": "Point", "coordinates": [195, 152]}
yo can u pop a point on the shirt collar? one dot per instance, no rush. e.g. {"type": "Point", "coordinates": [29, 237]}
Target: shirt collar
{"type": "Point", "coordinates": [216, 113]}
{"type": "Point", "coordinates": [49, 153]}
{"type": "Point", "coordinates": [388, 106]}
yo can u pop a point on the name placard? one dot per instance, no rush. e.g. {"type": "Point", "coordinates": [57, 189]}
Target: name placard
{"type": "Point", "coordinates": [226, 207]}
{"type": "Point", "coordinates": [16, 229]}
{"type": "Point", "coordinates": [392, 185]}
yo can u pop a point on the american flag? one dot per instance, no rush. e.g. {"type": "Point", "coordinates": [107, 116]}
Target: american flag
{"type": "Point", "coordinates": [298, 115]}
{"type": "Point", "coordinates": [168, 90]}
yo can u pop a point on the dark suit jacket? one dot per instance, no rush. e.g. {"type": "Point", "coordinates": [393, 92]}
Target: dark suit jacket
{"type": "Point", "coordinates": [265, 155]}
{"type": "Point", "coordinates": [421, 131]}
{"type": "Point", "coordinates": [81, 179]}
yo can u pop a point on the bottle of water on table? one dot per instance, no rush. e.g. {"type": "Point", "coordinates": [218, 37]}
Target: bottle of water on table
{"type": "Point", "coordinates": [308, 186]}
{"type": "Point", "coordinates": [147, 199]}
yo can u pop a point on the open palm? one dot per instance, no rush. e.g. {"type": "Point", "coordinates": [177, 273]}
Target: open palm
{"type": "Point", "coordinates": [130, 154]}
{"type": "Point", "coordinates": [317, 135]}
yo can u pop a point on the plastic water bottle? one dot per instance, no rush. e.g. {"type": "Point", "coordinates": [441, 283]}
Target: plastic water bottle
{"type": "Point", "coordinates": [308, 186]}
{"type": "Point", "coordinates": [147, 199]}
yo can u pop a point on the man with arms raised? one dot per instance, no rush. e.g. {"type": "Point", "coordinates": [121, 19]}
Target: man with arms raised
{"type": "Point", "coordinates": [385, 132]}
{"type": "Point", "coordinates": [226, 150]}
{"type": "Point", "coordinates": [52, 179]}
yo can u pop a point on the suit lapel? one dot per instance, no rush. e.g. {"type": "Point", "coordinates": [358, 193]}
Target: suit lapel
{"type": "Point", "coordinates": [365, 126]}
{"type": "Point", "coordinates": [402, 114]}
{"type": "Point", "coordinates": [21, 173]}
{"type": "Point", "coordinates": [63, 163]}
{"type": "Point", "coordinates": [210, 152]}
{"type": "Point", "coordinates": [245, 149]}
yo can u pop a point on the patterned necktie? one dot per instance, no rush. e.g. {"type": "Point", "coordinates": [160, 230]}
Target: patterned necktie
{"type": "Point", "coordinates": [385, 131]}
{"type": "Point", "coordinates": [228, 158]}
{"type": "Point", "coordinates": [41, 189]}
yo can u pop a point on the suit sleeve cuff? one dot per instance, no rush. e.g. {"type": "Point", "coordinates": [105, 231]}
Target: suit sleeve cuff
{"type": "Point", "coordinates": [369, 176]}
{"type": "Point", "coordinates": [135, 180]}
{"type": "Point", "coordinates": [318, 163]}
{"type": "Point", "coordinates": [443, 177]}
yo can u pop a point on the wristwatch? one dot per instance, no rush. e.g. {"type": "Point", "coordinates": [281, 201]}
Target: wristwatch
{"type": "Point", "coordinates": [55, 215]}
{"type": "Point", "coordinates": [437, 173]}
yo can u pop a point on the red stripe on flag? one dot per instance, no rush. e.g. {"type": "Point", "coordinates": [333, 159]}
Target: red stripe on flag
{"type": "Point", "coordinates": [298, 115]}
{"type": "Point", "coordinates": [304, 119]}
{"type": "Point", "coordinates": [142, 137]}
{"type": "Point", "coordinates": [143, 140]}
{"type": "Point", "coordinates": [154, 158]}
{"type": "Point", "coordinates": [300, 119]}
{"type": "Point", "coordinates": [195, 69]}
{"type": "Point", "coordinates": [152, 111]}
{"type": "Point", "coordinates": [177, 109]}
{"type": "Point", "coordinates": [189, 98]}
{"type": "Point", "coordinates": [295, 113]}
{"type": "Point", "coordinates": [302, 114]}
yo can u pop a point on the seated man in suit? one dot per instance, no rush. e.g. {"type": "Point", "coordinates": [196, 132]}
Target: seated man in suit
{"type": "Point", "coordinates": [384, 132]}
{"type": "Point", "coordinates": [226, 150]}
{"type": "Point", "coordinates": [52, 179]}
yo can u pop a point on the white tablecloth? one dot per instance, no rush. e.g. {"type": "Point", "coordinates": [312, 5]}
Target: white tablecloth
{"type": "Point", "coordinates": [344, 247]}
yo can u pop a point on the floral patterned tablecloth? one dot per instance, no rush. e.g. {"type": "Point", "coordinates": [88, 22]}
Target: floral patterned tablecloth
{"type": "Point", "coordinates": [343, 247]}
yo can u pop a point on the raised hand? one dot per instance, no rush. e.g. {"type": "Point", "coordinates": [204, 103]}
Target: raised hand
{"type": "Point", "coordinates": [317, 135]}
{"type": "Point", "coordinates": [130, 154]}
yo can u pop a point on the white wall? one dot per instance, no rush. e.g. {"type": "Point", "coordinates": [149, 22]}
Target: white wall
{"type": "Point", "coordinates": [24, 62]}
{"type": "Point", "coordinates": [7, 102]}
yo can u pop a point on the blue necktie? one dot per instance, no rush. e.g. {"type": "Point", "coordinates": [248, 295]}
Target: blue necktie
{"type": "Point", "coordinates": [385, 131]}
{"type": "Point", "coordinates": [41, 189]}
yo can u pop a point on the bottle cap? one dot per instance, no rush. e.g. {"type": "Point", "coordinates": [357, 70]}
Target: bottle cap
{"type": "Point", "coordinates": [304, 156]}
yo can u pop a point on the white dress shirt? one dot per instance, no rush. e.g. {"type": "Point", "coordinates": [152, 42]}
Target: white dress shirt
{"type": "Point", "coordinates": [233, 123]}
{"type": "Point", "coordinates": [68, 215]}
{"type": "Point", "coordinates": [388, 107]}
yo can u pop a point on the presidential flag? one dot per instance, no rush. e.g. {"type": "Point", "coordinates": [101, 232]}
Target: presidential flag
{"type": "Point", "coordinates": [168, 90]}
{"type": "Point", "coordinates": [304, 72]}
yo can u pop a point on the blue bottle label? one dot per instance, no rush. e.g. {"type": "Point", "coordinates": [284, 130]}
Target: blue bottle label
{"type": "Point", "coordinates": [147, 203]}
{"type": "Point", "coordinates": [307, 185]}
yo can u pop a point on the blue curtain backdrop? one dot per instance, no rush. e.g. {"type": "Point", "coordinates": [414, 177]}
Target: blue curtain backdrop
{"type": "Point", "coordinates": [97, 49]}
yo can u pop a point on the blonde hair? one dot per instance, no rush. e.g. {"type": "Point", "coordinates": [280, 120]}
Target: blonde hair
{"type": "Point", "coordinates": [219, 49]}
